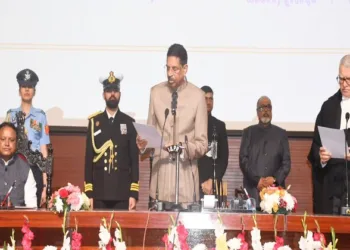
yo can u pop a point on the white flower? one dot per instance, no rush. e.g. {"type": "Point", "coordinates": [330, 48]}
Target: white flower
{"type": "Point", "coordinates": [66, 243]}
{"type": "Point", "coordinates": [255, 233]}
{"type": "Point", "coordinates": [268, 201]}
{"type": "Point", "coordinates": [50, 248]}
{"type": "Point", "coordinates": [284, 248]}
{"type": "Point", "coordinates": [104, 236]}
{"type": "Point", "coordinates": [289, 200]}
{"type": "Point", "coordinates": [256, 239]}
{"type": "Point", "coordinates": [117, 234]}
{"type": "Point", "coordinates": [309, 243]}
{"type": "Point", "coordinates": [8, 247]}
{"type": "Point", "coordinates": [58, 204]}
{"type": "Point", "coordinates": [219, 229]}
{"type": "Point", "coordinates": [200, 247]}
{"type": "Point", "coordinates": [120, 245]}
{"type": "Point", "coordinates": [234, 244]}
{"type": "Point", "coordinates": [269, 245]}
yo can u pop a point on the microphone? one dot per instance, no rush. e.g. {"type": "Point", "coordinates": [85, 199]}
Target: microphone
{"type": "Point", "coordinates": [193, 207]}
{"type": "Point", "coordinates": [3, 202]}
{"type": "Point", "coordinates": [346, 210]}
{"type": "Point", "coordinates": [174, 103]}
{"type": "Point", "coordinates": [158, 206]}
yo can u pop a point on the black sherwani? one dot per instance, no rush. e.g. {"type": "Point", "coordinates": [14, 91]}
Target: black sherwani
{"type": "Point", "coordinates": [328, 182]}
{"type": "Point", "coordinates": [205, 163]}
{"type": "Point", "coordinates": [264, 152]}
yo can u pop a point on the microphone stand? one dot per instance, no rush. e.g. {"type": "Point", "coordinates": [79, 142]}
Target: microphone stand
{"type": "Point", "coordinates": [194, 207]}
{"type": "Point", "coordinates": [214, 156]}
{"type": "Point", "coordinates": [158, 205]}
{"type": "Point", "coordinates": [176, 154]}
{"type": "Point", "coordinates": [346, 210]}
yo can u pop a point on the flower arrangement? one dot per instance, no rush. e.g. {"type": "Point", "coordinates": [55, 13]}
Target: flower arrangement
{"type": "Point", "coordinates": [279, 241]}
{"type": "Point", "coordinates": [236, 243]}
{"type": "Point", "coordinates": [276, 200]}
{"type": "Point", "coordinates": [13, 243]}
{"type": "Point", "coordinates": [76, 237]}
{"type": "Point", "coordinates": [316, 240]}
{"type": "Point", "coordinates": [69, 198]}
{"type": "Point", "coordinates": [308, 241]}
{"type": "Point", "coordinates": [256, 236]}
{"type": "Point", "coordinates": [176, 238]}
{"type": "Point", "coordinates": [28, 235]}
{"type": "Point", "coordinates": [106, 239]}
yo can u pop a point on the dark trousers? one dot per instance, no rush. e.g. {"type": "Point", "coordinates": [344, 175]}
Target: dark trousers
{"type": "Point", "coordinates": [111, 205]}
{"type": "Point", "coordinates": [38, 176]}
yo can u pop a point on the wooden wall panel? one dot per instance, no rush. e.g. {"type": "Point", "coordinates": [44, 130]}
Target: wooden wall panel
{"type": "Point", "coordinates": [69, 153]}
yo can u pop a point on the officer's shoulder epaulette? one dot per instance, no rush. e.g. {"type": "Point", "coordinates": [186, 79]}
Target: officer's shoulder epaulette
{"type": "Point", "coordinates": [40, 111]}
{"type": "Point", "coordinates": [9, 111]}
{"type": "Point", "coordinates": [94, 114]}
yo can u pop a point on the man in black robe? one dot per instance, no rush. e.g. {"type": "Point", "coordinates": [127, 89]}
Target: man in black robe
{"type": "Point", "coordinates": [217, 129]}
{"type": "Point", "coordinates": [264, 155]}
{"type": "Point", "coordinates": [328, 174]}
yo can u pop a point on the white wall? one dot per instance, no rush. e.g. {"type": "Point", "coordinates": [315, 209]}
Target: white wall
{"type": "Point", "coordinates": [286, 49]}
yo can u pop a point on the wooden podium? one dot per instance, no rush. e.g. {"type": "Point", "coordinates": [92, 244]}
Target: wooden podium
{"type": "Point", "coordinates": [47, 227]}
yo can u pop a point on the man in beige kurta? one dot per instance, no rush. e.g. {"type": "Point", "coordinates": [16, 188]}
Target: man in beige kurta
{"type": "Point", "coordinates": [191, 121]}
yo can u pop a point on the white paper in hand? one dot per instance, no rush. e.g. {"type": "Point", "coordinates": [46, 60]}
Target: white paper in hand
{"type": "Point", "coordinates": [333, 140]}
{"type": "Point", "coordinates": [148, 133]}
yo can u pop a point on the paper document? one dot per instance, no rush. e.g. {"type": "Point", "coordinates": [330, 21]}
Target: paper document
{"type": "Point", "coordinates": [148, 133]}
{"type": "Point", "coordinates": [333, 140]}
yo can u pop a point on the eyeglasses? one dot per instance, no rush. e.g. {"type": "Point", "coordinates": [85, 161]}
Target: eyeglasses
{"type": "Point", "coordinates": [267, 107]}
{"type": "Point", "coordinates": [341, 80]}
{"type": "Point", "coordinates": [176, 70]}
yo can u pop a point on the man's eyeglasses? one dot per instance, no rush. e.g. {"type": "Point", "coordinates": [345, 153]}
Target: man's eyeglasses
{"type": "Point", "coordinates": [264, 107]}
{"type": "Point", "coordinates": [341, 80]}
{"type": "Point", "coordinates": [176, 70]}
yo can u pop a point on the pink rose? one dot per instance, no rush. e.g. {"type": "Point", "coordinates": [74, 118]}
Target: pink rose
{"type": "Point", "coordinates": [73, 199]}
{"type": "Point", "coordinates": [73, 189]}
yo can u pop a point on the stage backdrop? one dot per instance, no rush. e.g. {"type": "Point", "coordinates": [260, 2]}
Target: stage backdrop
{"type": "Point", "coordinates": [69, 150]}
{"type": "Point", "coordinates": [286, 49]}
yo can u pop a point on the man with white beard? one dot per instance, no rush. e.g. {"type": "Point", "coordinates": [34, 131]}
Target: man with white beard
{"type": "Point", "coordinates": [264, 156]}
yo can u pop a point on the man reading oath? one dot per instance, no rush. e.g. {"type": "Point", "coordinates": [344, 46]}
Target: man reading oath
{"type": "Point", "coordinates": [191, 123]}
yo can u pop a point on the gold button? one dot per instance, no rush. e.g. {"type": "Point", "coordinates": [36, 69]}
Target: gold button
{"type": "Point", "coordinates": [110, 160]}
{"type": "Point", "coordinates": [105, 161]}
{"type": "Point", "coordinates": [115, 146]}
{"type": "Point", "coordinates": [105, 168]}
{"type": "Point", "coordinates": [115, 153]}
{"type": "Point", "coordinates": [112, 156]}
{"type": "Point", "coordinates": [105, 153]}
{"type": "Point", "coordinates": [115, 161]}
{"type": "Point", "coordinates": [116, 169]}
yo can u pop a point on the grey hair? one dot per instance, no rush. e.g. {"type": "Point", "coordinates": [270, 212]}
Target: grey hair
{"type": "Point", "coordinates": [261, 98]}
{"type": "Point", "coordinates": [345, 61]}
